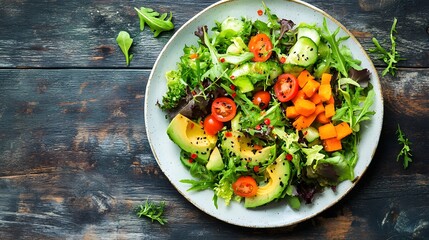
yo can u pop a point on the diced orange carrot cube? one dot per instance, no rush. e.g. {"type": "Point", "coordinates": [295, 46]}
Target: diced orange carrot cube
{"type": "Point", "coordinates": [316, 98]}
{"type": "Point", "coordinates": [343, 130]}
{"type": "Point", "coordinates": [321, 118]}
{"type": "Point", "coordinates": [303, 78]}
{"type": "Point", "coordinates": [326, 78]}
{"type": "Point", "coordinates": [327, 131]}
{"type": "Point", "coordinates": [325, 92]}
{"type": "Point", "coordinates": [304, 122]}
{"type": "Point", "coordinates": [332, 144]}
{"type": "Point", "coordinates": [311, 87]}
{"type": "Point", "coordinates": [299, 95]}
{"type": "Point", "coordinates": [305, 107]}
{"type": "Point", "coordinates": [329, 110]}
{"type": "Point", "coordinates": [291, 112]}
{"type": "Point", "coordinates": [331, 99]}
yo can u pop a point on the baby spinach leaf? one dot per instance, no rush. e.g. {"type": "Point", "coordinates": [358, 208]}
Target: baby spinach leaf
{"type": "Point", "coordinates": [157, 23]}
{"type": "Point", "coordinates": [125, 41]}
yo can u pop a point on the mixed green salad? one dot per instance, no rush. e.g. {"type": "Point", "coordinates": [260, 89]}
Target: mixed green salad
{"type": "Point", "coordinates": [267, 110]}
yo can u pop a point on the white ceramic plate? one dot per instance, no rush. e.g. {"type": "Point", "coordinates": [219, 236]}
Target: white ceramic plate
{"type": "Point", "coordinates": [167, 153]}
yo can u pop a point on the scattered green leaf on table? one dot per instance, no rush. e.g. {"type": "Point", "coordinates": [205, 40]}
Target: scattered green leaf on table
{"type": "Point", "coordinates": [157, 23]}
{"type": "Point", "coordinates": [125, 41]}
{"type": "Point", "coordinates": [390, 58]}
{"type": "Point", "coordinates": [152, 210]}
{"type": "Point", "coordinates": [405, 152]}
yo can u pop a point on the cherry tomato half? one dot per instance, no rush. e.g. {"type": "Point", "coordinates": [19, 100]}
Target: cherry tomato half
{"type": "Point", "coordinates": [211, 125]}
{"type": "Point", "coordinates": [224, 109]}
{"type": "Point", "coordinates": [261, 46]}
{"type": "Point", "coordinates": [261, 99]}
{"type": "Point", "coordinates": [286, 87]}
{"type": "Point", "coordinates": [245, 186]}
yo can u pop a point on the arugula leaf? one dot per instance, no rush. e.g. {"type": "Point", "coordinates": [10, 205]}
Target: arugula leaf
{"type": "Point", "coordinates": [157, 23]}
{"type": "Point", "coordinates": [152, 210]}
{"type": "Point", "coordinates": [405, 152]}
{"type": "Point", "coordinates": [206, 179]}
{"type": "Point", "coordinates": [342, 58]}
{"type": "Point", "coordinates": [125, 41]}
{"type": "Point", "coordinates": [390, 58]}
{"type": "Point", "coordinates": [355, 107]}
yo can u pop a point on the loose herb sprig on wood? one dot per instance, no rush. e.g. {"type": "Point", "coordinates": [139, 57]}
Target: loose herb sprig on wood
{"type": "Point", "coordinates": [125, 41]}
{"type": "Point", "coordinates": [152, 210]}
{"type": "Point", "coordinates": [405, 152]}
{"type": "Point", "coordinates": [157, 23]}
{"type": "Point", "coordinates": [390, 58]}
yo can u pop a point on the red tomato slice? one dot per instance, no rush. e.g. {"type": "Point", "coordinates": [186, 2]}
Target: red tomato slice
{"type": "Point", "coordinates": [245, 186]}
{"type": "Point", "coordinates": [261, 99]}
{"type": "Point", "coordinates": [286, 87]}
{"type": "Point", "coordinates": [224, 109]}
{"type": "Point", "coordinates": [261, 46]}
{"type": "Point", "coordinates": [211, 125]}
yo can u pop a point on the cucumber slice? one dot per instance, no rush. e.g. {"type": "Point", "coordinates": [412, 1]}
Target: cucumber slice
{"type": "Point", "coordinates": [303, 53]}
{"type": "Point", "coordinates": [311, 33]}
{"type": "Point", "coordinates": [244, 84]}
{"type": "Point", "coordinates": [235, 123]}
{"type": "Point", "coordinates": [310, 133]}
{"type": "Point", "coordinates": [185, 159]}
{"type": "Point", "coordinates": [292, 69]}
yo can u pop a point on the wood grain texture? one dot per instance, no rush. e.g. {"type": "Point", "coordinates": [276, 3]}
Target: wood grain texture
{"type": "Point", "coordinates": [82, 33]}
{"type": "Point", "coordinates": [75, 159]}
{"type": "Point", "coordinates": [76, 162]}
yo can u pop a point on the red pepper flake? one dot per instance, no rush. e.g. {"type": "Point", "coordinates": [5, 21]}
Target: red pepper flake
{"type": "Point", "coordinates": [289, 157]}
{"type": "Point", "coordinates": [260, 12]}
{"type": "Point", "coordinates": [258, 127]}
{"type": "Point", "coordinates": [257, 147]}
{"type": "Point", "coordinates": [194, 155]}
{"type": "Point", "coordinates": [282, 60]}
{"type": "Point", "coordinates": [267, 121]}
{"type": "Point", "coordinates": [233, 95]}
{"type": "Point", "coordinates": [232, 77]}
{"type": "Point", "coordinates": [222, 60]}
{"type": "Point", "coordinates": [256, 169]}
{"type": "Point", "coordinates": [193, 56]}
{"type": "Point", "coordinates": [228, 134]}
{"type": "Point", "coordinates": [193, 93]}
{"type": "Point", "coordinates": [191, 160]}
{"type": "Point", "coordinates": [192, 125]}
{"type": "Point", "coordinates": [232, 87]}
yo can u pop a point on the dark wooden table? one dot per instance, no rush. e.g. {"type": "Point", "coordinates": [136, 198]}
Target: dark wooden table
{"type": "Point", "coordinates": [75, 160]}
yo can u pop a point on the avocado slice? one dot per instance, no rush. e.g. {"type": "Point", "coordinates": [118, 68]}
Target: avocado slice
{"type": "Point", "coordinates": [190, 137]}
{"type": "Point", "coordinates": [215, 162]}
{"type": "Point", "coordinates": [278, 178]}
{"type": "Point", "coordinates": [236, 145]}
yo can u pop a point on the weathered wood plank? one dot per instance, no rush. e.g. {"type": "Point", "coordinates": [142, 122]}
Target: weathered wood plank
{"type": "Point", "coordinates": [82, 34]}
{"type": "Point", "coordinates": [84, 112]}
{"type": "Point", "coordinates": [75, 161]}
